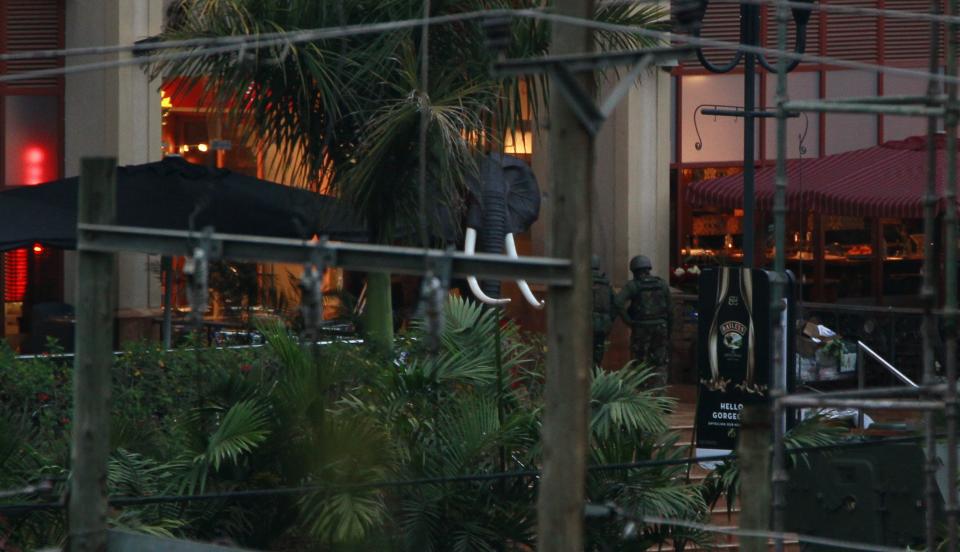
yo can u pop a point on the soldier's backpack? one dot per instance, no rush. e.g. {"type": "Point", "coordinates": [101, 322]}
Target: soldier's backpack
{"type": "Point", "coordinates": [602, 303]}
{"type": "Point", "coordinates": [654, 300]}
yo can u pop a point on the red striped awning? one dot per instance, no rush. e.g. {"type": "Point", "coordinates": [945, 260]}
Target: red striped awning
{"type": "Point", "coordinates": [886, 181]}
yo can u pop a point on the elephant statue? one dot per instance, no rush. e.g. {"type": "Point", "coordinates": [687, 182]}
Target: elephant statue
{"type": "Point", "coordinates": [503, 200]}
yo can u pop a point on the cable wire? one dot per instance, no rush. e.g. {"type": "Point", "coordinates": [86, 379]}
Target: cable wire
{"type": "Point", "coordinates": [466, 478]}
{"type": "Point", "coordinates": [839, 9]}
{"type": "Point", "coordinates": [759, 533]}
{"type": "Point", "coordinates": [304, 35]}
{"type": "Point", "coordinates": [225, 45]}
{"type": "Point", "coordinates": [147, 46]}
{"type": "Point", "coordinates": [736, 46]}
{"type": "Point", "coordinates": [426, 109]}
{"type": "Point", "coordinates": [242, 44]}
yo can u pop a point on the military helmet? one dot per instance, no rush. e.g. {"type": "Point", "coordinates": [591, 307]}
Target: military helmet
{"type": "Point", "coordinates": [640, 262]}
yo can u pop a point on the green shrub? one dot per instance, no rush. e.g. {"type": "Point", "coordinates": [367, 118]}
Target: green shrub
{"type": "Point", "coordinates": [200, 420]}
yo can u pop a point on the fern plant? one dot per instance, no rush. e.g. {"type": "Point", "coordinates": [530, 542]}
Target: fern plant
{"type": "Point", "coordinates": [724, 481]}
{"type": "Point", "coordinates": [344, 419]}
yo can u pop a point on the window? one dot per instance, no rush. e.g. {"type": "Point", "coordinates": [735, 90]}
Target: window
{"type": "Point", "coordinates": [31, 112]}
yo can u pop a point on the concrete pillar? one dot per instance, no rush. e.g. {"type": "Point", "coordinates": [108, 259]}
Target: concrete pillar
{"type": "Point", "coordinates": [632, 191]}
{"type": "Point", "coordinates": [631, 197]}
{"type": "Point", "coordinates": [648, 172]}
{"type": "Point", "coordinates": [115, 112]}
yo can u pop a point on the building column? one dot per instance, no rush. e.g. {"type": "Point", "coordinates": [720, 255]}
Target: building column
{"type": "Point", "coordinates": [114, 112]}
{"type": "Point", "coordinates": [632, 203]}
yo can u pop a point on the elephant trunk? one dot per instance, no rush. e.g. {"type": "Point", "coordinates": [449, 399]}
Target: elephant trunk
{"type": "Point", "coordinates": [492, 233]}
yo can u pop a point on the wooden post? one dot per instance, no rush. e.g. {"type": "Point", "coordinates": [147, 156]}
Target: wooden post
{"type": "Point", "coordinates": [560, 504]}
{"type": "Point", "coordinates": [753, 450]}
{"type": "Point", "coordinates": [166, 267]}
{"type": "Point", "coordinates": [91, 369]}
{"type": "Point", "coordinates": [876, 261]}
{"type": "Point", "coordinates": [3, 294]}
{"type": "Point", "coordinates": [379, 314]}
{"type": "Point", "coordinates": [819, 255]}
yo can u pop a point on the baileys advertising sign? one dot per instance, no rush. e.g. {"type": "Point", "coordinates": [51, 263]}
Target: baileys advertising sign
{"type": "Point", "coordinates": [734, 354]}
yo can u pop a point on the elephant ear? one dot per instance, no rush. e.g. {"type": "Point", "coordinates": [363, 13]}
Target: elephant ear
{"type": "Point", "coordinates": [498, 171]}
{"type": "Point", "coordinates": [523, 193]}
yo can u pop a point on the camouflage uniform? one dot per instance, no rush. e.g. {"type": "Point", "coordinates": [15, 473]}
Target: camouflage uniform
{"type": "Point", "coordinates": [603, 313]}
{"type": "Point", "coordinates": [644, 304]}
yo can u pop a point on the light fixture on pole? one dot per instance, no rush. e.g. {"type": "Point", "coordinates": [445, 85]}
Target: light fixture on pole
{"type": "Point", "coordinates": [691, 17]}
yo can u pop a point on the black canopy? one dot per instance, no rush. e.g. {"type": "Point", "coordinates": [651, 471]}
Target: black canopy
{"type": "Point", "coordinates": [165, 194]}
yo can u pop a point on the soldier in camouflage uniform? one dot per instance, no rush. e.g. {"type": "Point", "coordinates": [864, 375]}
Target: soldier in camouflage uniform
{"type": "Point", "coordinates": [644, 304]}
{"type": "Point", "coordinates": [603, 312]}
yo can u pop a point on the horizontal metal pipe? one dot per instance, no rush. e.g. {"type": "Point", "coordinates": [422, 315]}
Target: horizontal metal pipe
{"type": "Point", "coordinates": [830, 106]}
{"type": "Point", "coordinates": [877, 404]}
{"type": "Point", "coordinates": [740, 113]}
{"type": "Point", "coordinates": [64, 357]}
{"type": "Point", "coordinates": [891, 100]}
{"type": "Point", "coordinates": [876, 392]}
{"type": "Point", "coordinates": [883, 362]}
{"type": "Point", "coordinates": [855, 308]}
{"type": "Point", "coordinates": [352, 256]}
{"type": "Point", "coordinates": [587, 62]}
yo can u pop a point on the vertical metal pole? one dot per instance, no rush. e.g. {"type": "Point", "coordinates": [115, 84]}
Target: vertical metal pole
{"type": "Point", "coordinates": [3, 293]}
{"type": "Point", "coordinates": [928, 294]}
{"type": "Point", "coordinates": [166, 266]}
{"type": "Point", "coordinates": [498, 351]}
{"type": "Point", "coordinates": [754, 456]}
{"type": "Point", "coordinates": [750, 20]}
{"type": "Point", "coordinates": [950, 299]}
{"type": "Point", "coordinates": [861, 381]}
{"type": "Point", "coordinates": [569, 353]}
{"type": "Point", "coordinates": [91, 368]}
{"type": "Point", "coordinates": [502, 451]}
{"type": "Point", "coordinates": [779, 473]}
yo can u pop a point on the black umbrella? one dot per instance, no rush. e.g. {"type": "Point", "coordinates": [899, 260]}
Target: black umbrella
{"type": "Point", "coordinates": [168, 194]}
{"type": "Point", "coordinates": [175, 194]}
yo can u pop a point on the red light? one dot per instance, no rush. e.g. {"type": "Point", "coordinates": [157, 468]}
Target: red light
{"type": "Point", "coordinates": [37, 248]}
{"type": "Point", "coordinates": [34, 155]}
{"type": "Point", "coordinates": [34, 169]}
{"type": "Point", "coordinates": [15, 275]}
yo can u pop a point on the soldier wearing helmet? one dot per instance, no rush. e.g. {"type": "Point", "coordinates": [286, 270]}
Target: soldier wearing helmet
{"type": "Point", "coordinates": [644, 304]}
{"type": "Point", "coordinates": [603, 309]}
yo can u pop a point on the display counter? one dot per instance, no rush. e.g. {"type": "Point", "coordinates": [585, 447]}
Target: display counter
{"type": "Point", "coordinates": [832, 256]}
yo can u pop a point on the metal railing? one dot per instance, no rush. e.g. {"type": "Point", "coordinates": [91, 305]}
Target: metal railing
{"type": "Point", "coordinates": [892, 332]}
{"type": "Point", "coordinates": [864, 350]}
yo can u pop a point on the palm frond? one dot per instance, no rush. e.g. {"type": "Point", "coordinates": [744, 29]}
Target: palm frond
{"type": "Point", "coordinates": [421, 519]}
{"type": "Point", "coordinates": [238, 432]}
{"type": "Point", "coordinates": [815, 431]}
{"type": "Point", "coordinates": [622, 402]}
{"type": "Point", "coordinates": [343, 517]}
{"type": "Point", "coordinates": [638, 15]}
{"type": "Point", "coordinates": [131, 520]}
{"type": "Point", "coordinates": [724, 481]}
{"type": "Point", "coordinates": [243, 427]}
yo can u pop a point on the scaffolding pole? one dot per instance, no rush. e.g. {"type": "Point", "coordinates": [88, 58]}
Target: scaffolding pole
{"type": "Point", "coordinates": [566, 410]}
{"type": "Point", "coordinates": [779, 473]}
{"type": "Point", "coordinates": [352, 256]}
{"type": "Point", "coordinates": [96, 292]}
{"type": "Point", "coordinates": [933, 395]}
{"type": "Point", "coordinates": [928, 294]}
{"type": "Point", "coordinates": [950, 299]}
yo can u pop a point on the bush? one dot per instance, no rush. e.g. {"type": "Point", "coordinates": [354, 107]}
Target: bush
{"type": "Point", "coordinates": [345, 418]}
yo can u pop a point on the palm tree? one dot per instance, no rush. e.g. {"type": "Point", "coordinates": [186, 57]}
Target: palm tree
{"type": "Point", "coordinates": [445, 414]}
{"type": "Point", "coordinates": [348, 111]}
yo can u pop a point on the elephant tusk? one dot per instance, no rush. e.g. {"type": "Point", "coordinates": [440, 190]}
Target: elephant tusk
{"type": "Point", "coordinates": [511, 247]}
{"type": "Point", "coordinates": [469, 247]}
